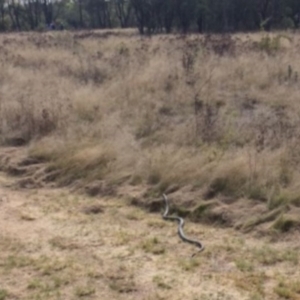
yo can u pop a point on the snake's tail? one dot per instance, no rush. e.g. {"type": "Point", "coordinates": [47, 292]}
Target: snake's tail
{"type": "Point", "coordinates": [197, 252]}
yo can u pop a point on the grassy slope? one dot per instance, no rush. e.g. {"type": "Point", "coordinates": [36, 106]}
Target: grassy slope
{"type": "Point", "coordinates": [211, 117]}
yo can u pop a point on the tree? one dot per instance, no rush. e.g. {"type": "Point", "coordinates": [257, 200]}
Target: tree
{"type": "Point", "coordinates": [123, 10]}
{"type": "Point", "coordinates": [151, 16]}
{"type": "Point", "coordinates": [185, 11]}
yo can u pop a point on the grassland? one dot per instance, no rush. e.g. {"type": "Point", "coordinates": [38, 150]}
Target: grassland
{"type": "Point", "coordinates": [206, 117]}
{"type": "Point", "coordinates": [211, 120]}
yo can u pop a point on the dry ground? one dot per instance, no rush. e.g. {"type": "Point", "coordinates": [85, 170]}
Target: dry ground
{"type": "Point", "coordinates": [59, 245]}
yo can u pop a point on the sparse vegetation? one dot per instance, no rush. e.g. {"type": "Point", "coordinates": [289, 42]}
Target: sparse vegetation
{"type": "Point", "coordinates": [3, 294]}
{"type": "Point", "coordinates": [153, 245]}
{"type": "Point", "coordinates": [284, 223]}
{"type": "Point", "coordinates": [244, 265]}
{"type": "Point", "coordinates": [288, 290]}
{"type": "Point", "coordinates": [190, 264]}
{"type": "Point", "coordinates": [83, 291]}
{"type": "Point", "coordinates": [270, 256]}
{"type": "Point", "coordinates": [161, 283]}
{"type": "Point", "coordinates": [253, 282]}
{"type": "Point", "coordinates": [121, 280]}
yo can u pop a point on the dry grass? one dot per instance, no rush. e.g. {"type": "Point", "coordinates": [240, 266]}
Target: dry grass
{"type": "Point", "coordinates": [219, 114]}
{"type": "Point", "coordinates": [65, 253]}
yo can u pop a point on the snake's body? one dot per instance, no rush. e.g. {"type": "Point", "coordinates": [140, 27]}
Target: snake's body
{"type": "Point", "coordinates": [180, 226]}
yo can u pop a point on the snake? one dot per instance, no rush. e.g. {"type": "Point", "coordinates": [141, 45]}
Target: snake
{"type": "Point", "coordinates": [180, 226]}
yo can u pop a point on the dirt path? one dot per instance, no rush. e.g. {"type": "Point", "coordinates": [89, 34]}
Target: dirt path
{"type": "Point", "coordinates": [58, 245]}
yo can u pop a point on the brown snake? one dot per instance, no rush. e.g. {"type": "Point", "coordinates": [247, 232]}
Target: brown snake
{"type": "Point", "coordinates": [180, 227]}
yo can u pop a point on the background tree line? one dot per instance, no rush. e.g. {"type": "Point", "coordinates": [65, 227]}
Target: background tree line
{"type": "Point", "coordinates": [151, 16]}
